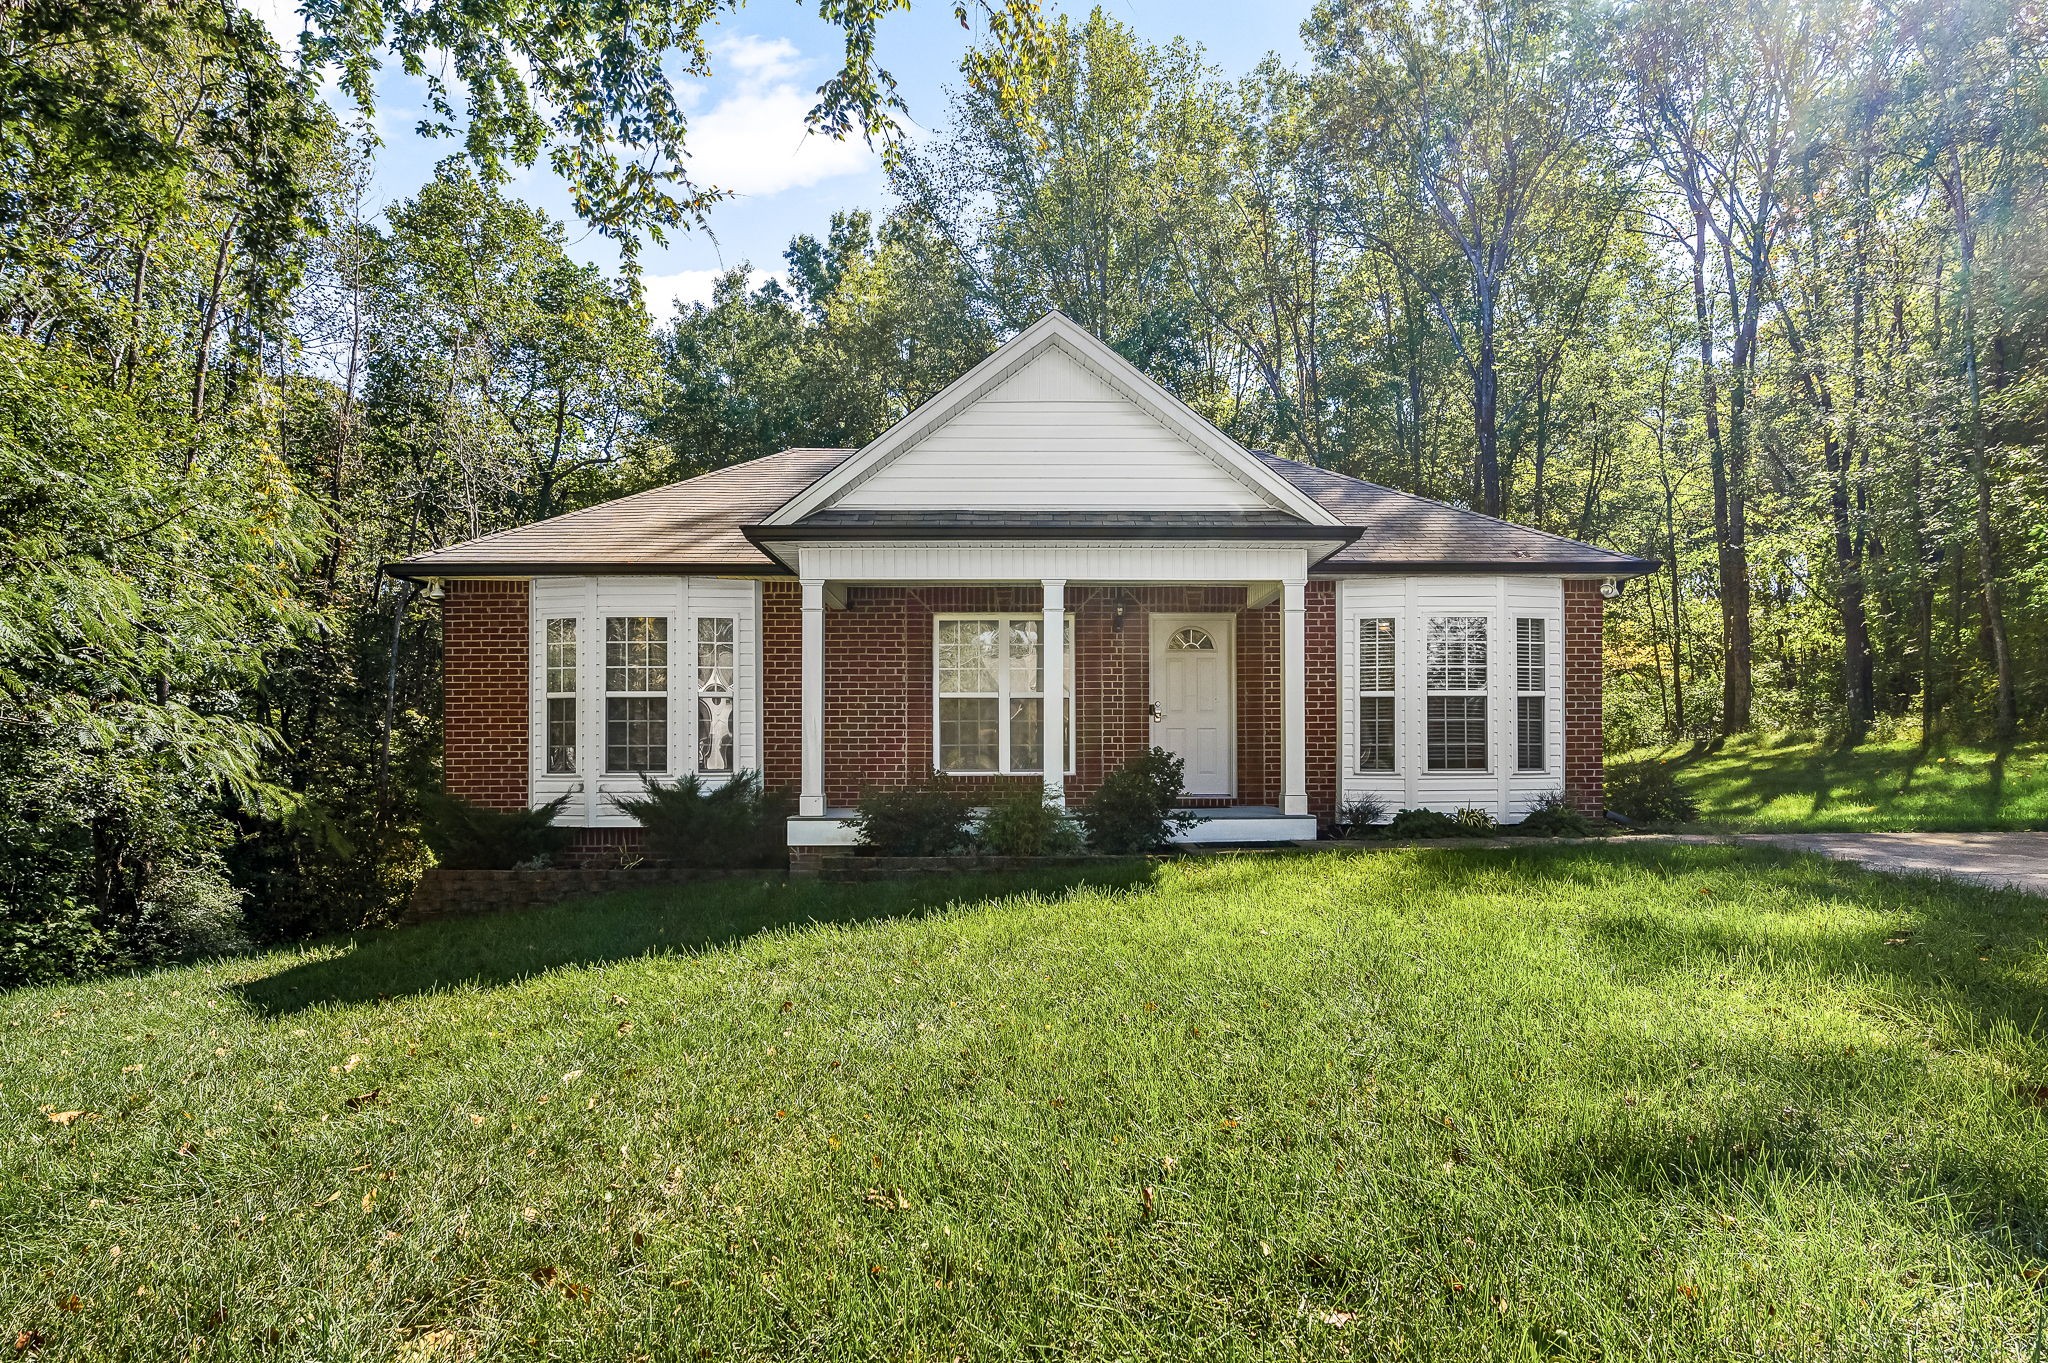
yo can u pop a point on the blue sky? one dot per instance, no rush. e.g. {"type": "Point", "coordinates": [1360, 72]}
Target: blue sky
{"type": "Point", "coordinates": [747, 133]}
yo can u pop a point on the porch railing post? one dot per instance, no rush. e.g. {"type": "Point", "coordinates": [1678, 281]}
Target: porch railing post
{"type": "Point", "coordinates": [811, 793]}
{"type": "Point", "coordinates": [1052, 651]}
{"type": "Point", "coordinates": [1293, 696]}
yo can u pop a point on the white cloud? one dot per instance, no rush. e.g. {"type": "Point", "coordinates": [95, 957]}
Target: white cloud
{"type": "Point", "coordinates": [752, 140]}
{"type": "Point", "coordinates": [667, 293]}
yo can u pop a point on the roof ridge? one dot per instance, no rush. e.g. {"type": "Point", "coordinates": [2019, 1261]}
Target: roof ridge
{"type": "Point", "coordinates": [1278, 460]}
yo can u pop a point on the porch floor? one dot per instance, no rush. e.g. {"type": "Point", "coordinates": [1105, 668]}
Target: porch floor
{"type": "Point", "coordinates": [1220, 825]}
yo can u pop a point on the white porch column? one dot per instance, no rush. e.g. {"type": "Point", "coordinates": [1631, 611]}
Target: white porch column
{"type": "Point", "coordinates": [811, 794]}
{"type": "Point", "coordinates": [1293, 696]}
{"type": "Point", "coordinates": [1052, 652]}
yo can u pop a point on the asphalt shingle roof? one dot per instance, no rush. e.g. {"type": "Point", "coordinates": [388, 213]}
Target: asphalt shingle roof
{"type": "Point", "coordinates": [700, 526]}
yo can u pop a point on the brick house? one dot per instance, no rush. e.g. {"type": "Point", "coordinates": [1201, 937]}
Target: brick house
{"type": "Point", "coordinates": [842, 620]}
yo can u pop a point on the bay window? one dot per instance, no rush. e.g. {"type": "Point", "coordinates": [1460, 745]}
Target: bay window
{"type": "Point", "coordinates": [636, 693]}
{"type": "Point", "coordinates": [716, 674]}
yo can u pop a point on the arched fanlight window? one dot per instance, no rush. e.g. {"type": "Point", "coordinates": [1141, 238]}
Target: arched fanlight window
{"type": "Point", "coordinates": [1191, 639]}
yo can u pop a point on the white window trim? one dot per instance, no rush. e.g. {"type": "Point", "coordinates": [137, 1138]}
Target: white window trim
{"type": "Point", "coordinates": [1359, 693]}
{"type": "Point", "coordinates": [666, 695]}
{"type": "Point", "coordinates": [1484, 694]}
{"type": "Point", "coordinates": [1006, 621]}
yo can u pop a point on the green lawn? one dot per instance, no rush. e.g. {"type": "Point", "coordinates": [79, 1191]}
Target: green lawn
{"type": "Point", "coordinates": [1615, 1102]}
{"type": "Point", "coordinates": [1781, 783]}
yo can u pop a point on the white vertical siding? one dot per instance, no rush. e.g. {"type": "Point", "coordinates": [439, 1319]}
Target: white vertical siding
{"type": "Point", "coordinates": [1411, 601]}
{"type": "Point", "coordinates": [680, 602]}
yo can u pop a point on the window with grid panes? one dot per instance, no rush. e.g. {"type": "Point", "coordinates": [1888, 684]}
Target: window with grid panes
{"type": "Point", "coordinates": [1375, 695]}
{"type": "Point", "coordinates": [1531, 695]}
{"type": "Point", "coordinates": [1455, 680]}
{"type": "Point", "coordinates": [636, 693]}
{"type": "Point", "coordinates": [559, 662]}
{"type": "Point", "coordinates": [989, 675]}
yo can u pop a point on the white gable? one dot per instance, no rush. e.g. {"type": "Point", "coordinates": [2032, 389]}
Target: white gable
{"type": "Point", "coordinates": [1053, 421]}
{"type": "Point", "coordinates": [1053, 436]}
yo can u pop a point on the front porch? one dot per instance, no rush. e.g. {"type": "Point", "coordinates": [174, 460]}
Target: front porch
{"type": "Point", "coordinates": [1218, 672]}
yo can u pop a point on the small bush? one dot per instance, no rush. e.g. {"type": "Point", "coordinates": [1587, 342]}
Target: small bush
{"type": "Point", "coordinates": [1132, 811]}
{"type": "Point", "coordinates": [1423, 823]}
{"type": "Point", "coordinates": [736, 824]}
{"type": "Point", "coordinates": [1357, 818]}
{"type": "Point", "coordinates": [1475, 823]}
{"type": "Point", "coordinates": [931, 820]}
{"type": "Point", "coordinates": [1026, 826]}
{"type": "Point", "coordinates": [1648, 792]}
{"type": "Point", "coordinates": [1553, 817]}
{"type": "Point", "coordinates": [468, 837]}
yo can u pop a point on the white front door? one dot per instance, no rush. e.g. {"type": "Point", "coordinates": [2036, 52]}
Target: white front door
{"type": "Point", "coordinates": [1194, 706]}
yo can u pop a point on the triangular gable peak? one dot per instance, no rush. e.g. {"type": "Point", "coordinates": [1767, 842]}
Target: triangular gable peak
{"type": "Point", "coordinates": [1054, 421]}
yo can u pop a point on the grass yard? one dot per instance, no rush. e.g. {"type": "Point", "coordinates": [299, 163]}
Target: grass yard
{"type": "Point", "coordinates": [1614, 1102]}
{"type": "Point", "coordinates": [1794, 784]}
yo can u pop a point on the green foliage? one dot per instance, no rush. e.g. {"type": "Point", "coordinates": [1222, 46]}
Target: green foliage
{"type": "Point", "coordinates": [931, 820]}
{"type": "Point", "coordinates": [1648, 792]}
{"type": "Point", "coordinates": [1024, 825]}
{"type": "Point", "coordinates": [1424, 823]}
{"type": "Point", "coordinates": [733, 824]}
{"type": "Point", "coordinates": [1474, 822]}
{"type": "Point", "coordinates": [470, 837]}
{"type": "Point", "coordinates": [1133, 810]}
{"type": "Point", "coordinates": [1553, 817]}
{"type": "Point", "coordinates": [1358, 816]}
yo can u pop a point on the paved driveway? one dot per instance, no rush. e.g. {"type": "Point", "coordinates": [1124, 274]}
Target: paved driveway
{"type": "Point", "coordinates": [2015, 861]}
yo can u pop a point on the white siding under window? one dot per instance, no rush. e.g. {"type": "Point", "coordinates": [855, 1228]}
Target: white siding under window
{"type": "Point", "coordinates": [635, 677]}
{"type": "Point", "coordinates": [1486, 680]}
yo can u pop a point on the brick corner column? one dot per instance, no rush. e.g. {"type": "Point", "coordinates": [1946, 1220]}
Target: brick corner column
{"type": "Point", "coordinates": [1585, 674]}
{"type": "Point", "coordinates": [484, 691]}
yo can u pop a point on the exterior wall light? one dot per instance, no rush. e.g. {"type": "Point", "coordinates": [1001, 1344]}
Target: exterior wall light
{"type": "Point", "coordinates": [1610, 590]}
{"type": "Point", "coordinates": [434, 592]}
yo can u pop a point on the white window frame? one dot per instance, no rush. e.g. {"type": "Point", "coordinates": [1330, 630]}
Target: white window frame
{"type": "Point", "coordinates": [1539, 691]}
{"type": "Point", "coordinates": [699, 692]}
{"type": "Point", "coordinates": [1391, 693]}
{"type": "Point", "coordinates": [550, 693]}
{"type": "Point", "coordinates": [665, 694]}
{"type": "Point", "coordinates": [1483, 692]}
{"type": "Point", "coordinates": [1005, 623]}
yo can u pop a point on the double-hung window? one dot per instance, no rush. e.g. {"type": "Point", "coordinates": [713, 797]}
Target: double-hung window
{"type": "Point", "coordinates": [1455, 667]}
{"type": "Point", "coordinates": [989, 676]}
{"type": "Point", "coordinates": [1531, 695]}
{"type": "Point", "coordinates": [560, 718]}
{"type": "Point", "coordinates": [636, 693]}
{"type": "Point", "coordinates": [1376, 695]}
{"type": "Point", "coordinates": [717, 659]}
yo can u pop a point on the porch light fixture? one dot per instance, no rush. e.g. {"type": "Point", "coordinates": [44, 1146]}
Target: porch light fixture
{"type": "Point", "coordinates": [1116, 621]}
{"type": "Point", "coordinates": [434, 592]}
{"type": "Point", "coordinates": [1610, 590]}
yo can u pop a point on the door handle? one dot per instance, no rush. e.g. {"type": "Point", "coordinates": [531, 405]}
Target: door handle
{"type": "Point", "coordinates": [1155, 712]}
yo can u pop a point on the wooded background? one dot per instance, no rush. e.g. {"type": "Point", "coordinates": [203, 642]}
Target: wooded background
{"type": "Point", "coordinates": [1755, 289]}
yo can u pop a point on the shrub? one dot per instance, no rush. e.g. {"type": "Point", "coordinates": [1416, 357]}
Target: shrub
{"type": "Point", "coordinates": [931, 820]}
{"type": "Point", "coordinates": [1132, 811]}
{"type": "Point", "coordinates": [1475, 823]}
{"type": "Point", "coordinates": [1026, 826]}
{"type": "Point", "coordinates": [1423, 823]}
{"type": "Point", "coordinates": [1356, 818]}
{"type": "Point", "coordinates": [738, 823]}
{"type": "Point", "coordinates": [468, 837]}
{"type": "Point", "coordinates": [1553, 817]}
{"type": "Point", "coordinates": [1648, 792]}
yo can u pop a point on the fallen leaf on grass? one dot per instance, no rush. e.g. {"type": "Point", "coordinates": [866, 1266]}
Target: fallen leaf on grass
{"type": "Point", "coordinates": [63, 1118]}
{"type": "Point", "coordinates": [362, 1100]}
{"type": "Point", "coordinates": [351, 1063]}
{"type": "Point", "coordinates": [71, 1303]}
{"type": "Point", "coordinates": [893, 1200]}
{"type": "Point", "coordinates": [1337, 1320]}
{"type": "Point", "coordinates": [26, 1340]}
{"type": "Point", "coordinates": [1688, 1291]}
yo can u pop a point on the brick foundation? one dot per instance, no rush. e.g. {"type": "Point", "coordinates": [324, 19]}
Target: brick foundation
{"type": "Point", "coordinates": [483, 691]}
{"type": "Point", "coordinates": [1584, 675]}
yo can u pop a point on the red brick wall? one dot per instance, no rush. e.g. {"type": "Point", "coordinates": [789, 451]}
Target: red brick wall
{"type": "Point", "coordinates": [1321, 699]}
{"type": "Point", "coordinates": [483, 691]}
{"type": "Point", "coordinates": [1584, 674]}
{"type": "Point", "coordinates": [878, 683]}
